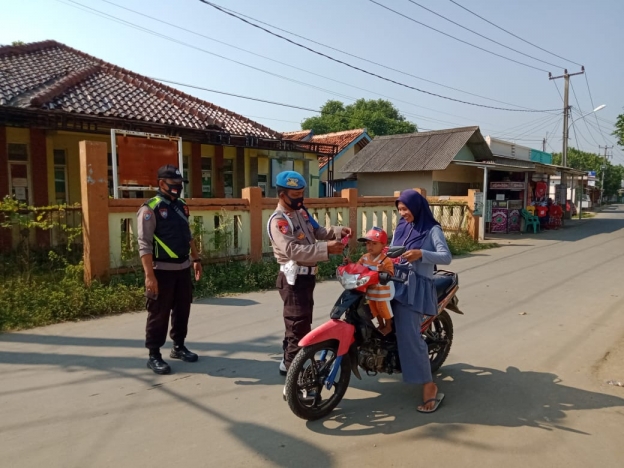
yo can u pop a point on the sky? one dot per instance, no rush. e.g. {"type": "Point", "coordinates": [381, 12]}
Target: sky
{"type": "Point", "coordinates": [187, 51]}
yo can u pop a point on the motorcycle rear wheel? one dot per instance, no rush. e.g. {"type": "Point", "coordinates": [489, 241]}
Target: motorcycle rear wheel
{"type": "Point", "coordinates": [439, 338]}
{"type": "Point", "coordinates": [305, 382]}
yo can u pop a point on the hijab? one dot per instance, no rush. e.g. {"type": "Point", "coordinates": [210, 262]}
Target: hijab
{"type": "Point", "coordinates": [412, 235]}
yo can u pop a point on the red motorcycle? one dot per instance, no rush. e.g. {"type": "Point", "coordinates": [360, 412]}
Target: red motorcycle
{"type": "Point", "coordinates": [320, 373]}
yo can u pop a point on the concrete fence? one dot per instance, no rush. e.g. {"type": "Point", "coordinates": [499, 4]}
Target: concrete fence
{"type": "Point", "coordinates": [231, 228]}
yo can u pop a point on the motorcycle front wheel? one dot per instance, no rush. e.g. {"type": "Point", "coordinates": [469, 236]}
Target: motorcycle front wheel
{"type": "Point", "coordinates": [306, 391]}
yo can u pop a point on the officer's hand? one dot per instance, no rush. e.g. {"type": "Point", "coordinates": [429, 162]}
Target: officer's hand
{"type": "Point", "coordinates": [197, 266]}
{"type": "Point", "coordinates": [151, 284]}
{"type": "Point", "coordinates": [335, 247]}
{"type": "Point", "coordinates": [346, 232]}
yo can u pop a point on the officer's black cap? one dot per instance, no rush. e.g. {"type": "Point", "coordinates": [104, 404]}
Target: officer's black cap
{"type": "Point", "coordinates": [169, 171]}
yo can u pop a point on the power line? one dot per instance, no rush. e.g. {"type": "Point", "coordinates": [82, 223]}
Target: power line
{"type": "Point", "coordinates": [481, 35]}
{"type": "Point", "coordinates": [192, 46]}
{"type": "Point", "coordinates": [581, 111]}
{"type": "Point", "coordinates": [236, 95]}
{"type": "Point", "coordinates": [514, 35]}
{"type": "Point", "coordinates": [591, 99]}
{"type": "Point", "coordinates": [99, 13]}
{"type": "Point", "coordinates": [283, 63]}
{"type": "Point", "coordinates": [370, 61]}
{"type": "Point", "coordinates": [556, 86]}
{"type": "Point", "coordinates": [453, 37]}
{"type": "Point", "coordinates": [363, 70]}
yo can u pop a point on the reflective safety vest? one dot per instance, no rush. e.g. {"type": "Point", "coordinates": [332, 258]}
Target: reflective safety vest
{"type": "Point", "coordinates": [172, 235]}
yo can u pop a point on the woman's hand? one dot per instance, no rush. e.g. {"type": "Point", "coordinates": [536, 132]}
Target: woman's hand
{"type": "Point", "coordinates": [412, 255]}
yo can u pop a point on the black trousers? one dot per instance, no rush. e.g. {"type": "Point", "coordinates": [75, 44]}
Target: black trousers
{"type": "Point", "coordinates": [175, 294]}
{"type": "Point", "coordinates": [298, 305]}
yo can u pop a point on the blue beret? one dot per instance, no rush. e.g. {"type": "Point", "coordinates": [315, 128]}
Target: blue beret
{"type": "Point", "coordinates": [290, 180]}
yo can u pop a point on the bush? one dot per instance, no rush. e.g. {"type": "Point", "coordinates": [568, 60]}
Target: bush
{"type": "Point", "coordinates": [462, 243]}
{"type": "Point", "coordinates": [43, 299]}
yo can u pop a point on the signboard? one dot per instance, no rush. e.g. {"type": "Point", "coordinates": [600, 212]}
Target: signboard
{"type": "Point", "coordinates": [500, 197]}
{"type": "Point", "coordinates": [136, 157]}
{"type": "Point", "coordinates": [506, 185]}
{"type": "Point", "coordinates": [140, 158]}
{"type": "Point", "coordinates": [478, 205]}
{"type": "Point", "coordinates": [20, 193]}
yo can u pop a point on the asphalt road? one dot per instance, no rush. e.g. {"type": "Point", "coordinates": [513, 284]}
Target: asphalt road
{"type": "Point", "coordinates": [525, 382]}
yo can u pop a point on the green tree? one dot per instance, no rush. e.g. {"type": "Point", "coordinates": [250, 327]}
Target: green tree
{"type": "Point", "coordinates": [585, 161]}
{"type": "Point", "coordinates": [17, 43]}
{"type": "Point", "coordinates": [379, 117]}
{"type": "Point", "coordinates": [619, 130]}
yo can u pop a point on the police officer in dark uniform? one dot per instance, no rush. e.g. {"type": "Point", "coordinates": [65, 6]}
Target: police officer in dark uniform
{"type": "Point", "coordinates": [167, 252]}
{"type": "Point", "coordinates": [294, 234]}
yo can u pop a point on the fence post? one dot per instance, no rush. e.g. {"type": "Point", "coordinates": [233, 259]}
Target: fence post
{"type": "Point", "coordinates": [351, 195]}
{"type": "Point", "coordinates": [94, 201]}
{"type": "Point", "coordinates": [254, 196]}
{"type": "Point", "coordinates": [473, 225]}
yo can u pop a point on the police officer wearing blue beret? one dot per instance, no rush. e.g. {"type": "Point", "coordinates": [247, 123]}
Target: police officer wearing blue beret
{"type": "Point", "coordinates": [167, 253]}
{"type": "Point", "coordinates": [294, 235]}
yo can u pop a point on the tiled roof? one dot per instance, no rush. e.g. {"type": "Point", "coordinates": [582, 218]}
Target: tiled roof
{"type": "Point", "coordinates": [423, 151]}
{"type": "Point", "coordinates": [340, 139]}
{"type": "Point", "coordinates": [300, 135]}
{"type": "Point", "coordinates": [54, 77]}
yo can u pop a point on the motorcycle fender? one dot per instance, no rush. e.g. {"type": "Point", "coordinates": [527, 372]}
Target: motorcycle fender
{"type": "Point", "coordinates": [338, 330]}
{"type": "Point", "coordinates": [453, 306]}
{"type": "Point", "coordinates": [353, 357]}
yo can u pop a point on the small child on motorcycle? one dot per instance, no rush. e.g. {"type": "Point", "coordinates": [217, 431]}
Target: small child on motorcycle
{"type": "Point", "coordinates": [375, 259]}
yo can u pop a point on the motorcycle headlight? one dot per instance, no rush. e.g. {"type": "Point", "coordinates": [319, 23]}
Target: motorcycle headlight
{"type": "Point", "coordinates": [348, 281]}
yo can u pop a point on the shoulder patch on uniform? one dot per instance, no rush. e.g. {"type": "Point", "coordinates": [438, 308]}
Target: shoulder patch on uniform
{"type": "Point", "coordinates": [283, 226]}
{"type": "Point", "coordinates": [163, 212]}
{"type": "Point", "coordinates": [186, 210]}
{"type": "Point", "coordinates": [148, 215]}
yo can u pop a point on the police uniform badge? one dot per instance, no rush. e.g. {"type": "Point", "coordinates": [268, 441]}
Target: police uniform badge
{"type": "Point", "coordinates": [164, 213]}
{"type": "Point", "coordinates": [283, 226]}
{"type": "Point", "coordinates": [301, 236]}
{"type": "Point", "coordinates": [147, 216]}
{"type": "Point", "coordinates": [292, 182]}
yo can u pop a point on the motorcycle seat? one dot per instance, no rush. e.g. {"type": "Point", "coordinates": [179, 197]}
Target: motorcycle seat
{"type": "Point", "coordinates": [443, 283]}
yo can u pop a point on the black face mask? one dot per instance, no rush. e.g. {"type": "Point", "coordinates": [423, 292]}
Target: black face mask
{"type": "Point", "coordinates": [174, 190]}
{"type": "Point", "coordinates": [294, 203]}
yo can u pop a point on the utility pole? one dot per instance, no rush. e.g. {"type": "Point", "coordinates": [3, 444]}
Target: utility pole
{"type": "Point", "coordinates": [566, 114]}
{"type": "Point", "coordinates": [604, 168]}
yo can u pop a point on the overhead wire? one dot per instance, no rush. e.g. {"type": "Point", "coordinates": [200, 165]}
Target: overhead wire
{"type": "Point", "coordinates": [581, 111]}
{"type": "Point", "coordinates": [591, 100]}
{"type": "Point", "coordinates": [354, 67]}
{"type": "Point", "coordinates": [350, 54]}
{"type": "Point", "coordinates": [451, 36]}
{"type": "Point", "coordinates": [284, 63]}
{"type": "Point", "coordinates": [481, 35]}
{"type": "Point", "coordinates": [343, 96]}
{"type": "Point", "coordinates": [514, 35]}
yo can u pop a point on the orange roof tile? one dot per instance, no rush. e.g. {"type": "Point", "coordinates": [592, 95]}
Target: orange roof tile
{"type": "Point", "coordinates": [298, 135]}
{"type": "Point", "coordinates": [340, 139]}
{"type": "Point", "coordinates": [51, 76]}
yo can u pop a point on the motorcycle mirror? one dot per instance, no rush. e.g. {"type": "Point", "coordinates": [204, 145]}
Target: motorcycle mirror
{"type": "Point", "coordinates": [396, 251]}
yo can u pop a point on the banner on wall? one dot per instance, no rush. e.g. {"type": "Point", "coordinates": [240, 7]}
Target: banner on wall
{"type": "Point", "coordinates": [136, 157]}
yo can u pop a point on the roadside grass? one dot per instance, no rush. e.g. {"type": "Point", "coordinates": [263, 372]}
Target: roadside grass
{"type": "Point", "coordinates": [48, 288]}
{"type": "Point", "coordinates": [462, 244]}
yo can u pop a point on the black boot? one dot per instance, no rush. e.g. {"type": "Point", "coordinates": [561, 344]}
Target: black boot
{"type": "Point", "coordinates": [156, 363]}
{"type": "Point", "coordinates": [181, 352]}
